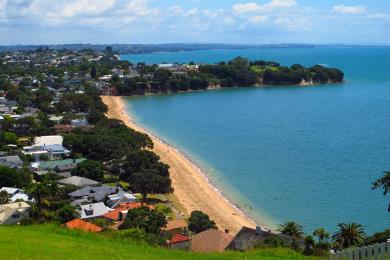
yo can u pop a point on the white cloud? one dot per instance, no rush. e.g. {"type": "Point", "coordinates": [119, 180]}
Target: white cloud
{"type": "Point", "coordinates": [257, 19]}
{"type": "Point", "coordinates": [244, 8]}
{"type": "Point", "coordinates": [352, 9]}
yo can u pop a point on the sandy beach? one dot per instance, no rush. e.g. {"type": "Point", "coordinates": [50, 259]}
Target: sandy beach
{"type": "Point", "coordinates": [192, 188]}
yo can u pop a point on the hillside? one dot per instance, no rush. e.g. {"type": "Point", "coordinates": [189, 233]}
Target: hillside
{"type": "Point", "coordinates": [51, 242]}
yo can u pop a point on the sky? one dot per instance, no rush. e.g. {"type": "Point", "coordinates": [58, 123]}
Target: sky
{"type": "Point", "coordinates": [194, 21]}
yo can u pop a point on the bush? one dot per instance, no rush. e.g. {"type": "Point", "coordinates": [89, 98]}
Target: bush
{"type": "Point", "coordinates": [140, 235]}
{"type": "Point", "coordinates": [67, 213]}
{"type": "Point", "coordinates": [271, 242]}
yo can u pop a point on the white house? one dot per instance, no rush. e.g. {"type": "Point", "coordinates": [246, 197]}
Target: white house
{"type": "Point", "coordinates": [47, 145]}
{"type": "Point", "coordinates": [93, 210]}
{"type": "Point", "coordinates": [16, 194]}
{"type": "Point", "coordinates": [14, 213]}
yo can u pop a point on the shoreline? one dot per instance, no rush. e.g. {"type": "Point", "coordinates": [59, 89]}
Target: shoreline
{"type": "Point", "coordinates": [192, 188]}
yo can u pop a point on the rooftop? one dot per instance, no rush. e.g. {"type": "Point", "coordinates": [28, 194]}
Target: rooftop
{"type": "Point", "coordinates": [211, 240]}
{"type": "Point", "coordinates": [83, 225]}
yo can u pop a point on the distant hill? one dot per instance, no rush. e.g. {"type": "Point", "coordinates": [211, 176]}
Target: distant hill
{"type": "Point", "coordinates": [52, 242]}
{"type": "Point", "coordinates": [149, 48]}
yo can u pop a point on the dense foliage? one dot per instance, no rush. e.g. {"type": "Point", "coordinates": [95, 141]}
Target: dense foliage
{"type": "Point", "coordinates": [144, 218]}
{"type": "Point", "coordinates": [14, 177]}
{"type": "Point", "coordinates": [199, 221]}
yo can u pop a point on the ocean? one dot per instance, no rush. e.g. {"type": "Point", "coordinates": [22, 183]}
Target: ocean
{"type": "Point", "coordinates": [306, 154]}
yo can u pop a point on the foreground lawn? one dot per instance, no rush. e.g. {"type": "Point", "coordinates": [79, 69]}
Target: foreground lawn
{"type": "Point", "coordinates": [52, 242]}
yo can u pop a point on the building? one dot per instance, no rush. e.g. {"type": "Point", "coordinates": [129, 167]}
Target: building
{"type": "Point", "coordinates": [11, 161]}
{"type": "Point", "coordinates": [120, 212]}
{"type": "Point", "coordinates": [120, 198]}
{"type": "Point", "coordinates": [15, 194]}
{"type": "Point", "coordinates": [92, 211]}
{"type": "Point", "coordinates": [14, 213]}
{"type": "Point", "coordinates": [78, 181]}
{"type": "Point", "coordinates": [247, 238]}
{"type": "Point", "coordinates": [173, 227]}
{"type": "Point", "coordinates": [50, 146]}
{"type": "Point", "coordinates": [92, 194]}
{"type": "Point", "coordinates": [179, 241]}
{"type": "Point", "coordinates": [211, 240]}
{"type": "Point", "coordinates": [83, 225]}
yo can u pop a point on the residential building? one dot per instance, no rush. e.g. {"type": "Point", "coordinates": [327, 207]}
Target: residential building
{"type": "Point", "coordinates": [13, 161]}
{"type": "Point", "coordinates": [119, 198]}
{"type": "Point", "coordinates": [15, 194]}
{"type": "Point", "coordinates": [13, 213]}
{"type": "Point", "coordinates": [92, 194]}
{"type": "Point", "coordinates": [94, 210]}
{"type": "Point", "coordinates": [83, 225]}
{"type": "Point", "coordinates": [120, 212]}
{"type": "Point", "coordinates": [177, 226]}
{"type": "Point", "coordinates": [179, 241]}
{"type": "Point", "coordinates": [47, 145]}
{"type": "Point", "coordinates": [78, 181]}
{"type": "Point", "coordinates": [247, 238]}
{"type": "Point", "coordinates": [211, 240]}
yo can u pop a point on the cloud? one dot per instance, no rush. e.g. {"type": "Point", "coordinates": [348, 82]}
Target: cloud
{"type": "Point", "coordinates": [352, 9]}
{"type": "Point", "coordinates": [244, 8]}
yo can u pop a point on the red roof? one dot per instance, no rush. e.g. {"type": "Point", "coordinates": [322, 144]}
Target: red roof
{"type": "Point", "coordinates": [83, 225]}
{"type": "Point", "coordinates": [114, 215]}
{"type": "Point", "coordinates": [178, 238]}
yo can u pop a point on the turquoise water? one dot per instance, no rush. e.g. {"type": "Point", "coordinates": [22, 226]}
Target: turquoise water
{"type": "Point", "coordinates": [307, 154]}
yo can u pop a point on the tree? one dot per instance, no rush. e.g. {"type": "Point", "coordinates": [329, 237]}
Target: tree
{"type": "Point", "coordinates": [89, 169]}
{"type": "Point", "coordinates": [150, 182]}
{"type": "Point", "coordinates": [383, 183]}
{"type": "Point", "coordinates": [14, 177]}
{"type": "Point", "coordinates": [39, 193]}
{"type": "Point", "coordinates": [93, 72]}
{"type": "Point", "coordinates": [67, 213]}
{"type": "Point", "coordinates": [144, 218]}
{"type": "Point", "coordinates": [291, 228]}
{"type": "Point", "coordinates": [4, 197]}
{"type": "Point", "coordinates": [309, 245]}
{"type": "Point", "coordinates": [199, 221]}
{"type": "Point", "coordinates": [348, 235]}
{"type": "Point", "coordinates": [321, 234]}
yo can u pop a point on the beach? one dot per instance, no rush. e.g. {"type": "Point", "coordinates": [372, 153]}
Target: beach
{"type": "Point", "coordinates": [191, 187]}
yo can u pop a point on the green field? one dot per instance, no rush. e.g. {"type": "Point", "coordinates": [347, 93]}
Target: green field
{"type": "Point", "coordinates": [52, 242]}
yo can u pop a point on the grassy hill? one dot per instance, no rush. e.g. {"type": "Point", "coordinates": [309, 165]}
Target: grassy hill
{"type": "Point", "coordinates": [52, 242]}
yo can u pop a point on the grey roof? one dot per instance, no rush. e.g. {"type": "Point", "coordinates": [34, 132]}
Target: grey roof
{"type": "Point", "coordinates": [93, 210]}
{"type": "Point", "coordinates": [79, 181]}
{"type": "Point", "coordinates": [247, 237]}
{"type": "Point", "coordinates": [94, 193]}
{"type": "Point", "coordinates": [11, 161]}
{"type": "Point", "coordinates": [120, 197]}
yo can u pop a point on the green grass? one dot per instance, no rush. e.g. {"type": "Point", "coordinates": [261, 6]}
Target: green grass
{"type": "Point", "coordinates": [52, 242]}
{"type": "Point", "coordinates": [260, 70]}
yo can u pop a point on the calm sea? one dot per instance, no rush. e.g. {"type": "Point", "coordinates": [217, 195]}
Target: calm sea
{"type": "Point", "coordinates": [307, 154]}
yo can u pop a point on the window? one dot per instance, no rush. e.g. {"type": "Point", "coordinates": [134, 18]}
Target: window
{"type": "Point", "coordinates": [14, 216]}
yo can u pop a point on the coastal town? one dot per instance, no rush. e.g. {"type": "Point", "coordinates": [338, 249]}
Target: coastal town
{"type": "Point", "coordinates": [70, 154]}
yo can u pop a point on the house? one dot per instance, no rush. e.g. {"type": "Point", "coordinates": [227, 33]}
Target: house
{"type": "Point", "coordinates": [47, 145]}
{"type": "Point", "coordinates": [179, 241]}
{"type": "Point", "coordinates": [92, 194]}
{"type": "Point", "coordinates": [65, 129]}
{"type": "Point", "coordinates": [56, 119]}
{"type": "Point", "coordinates": [247, 238]}
{"type": "Point", "coordinates": [92, 211]}
{"type": "Point", "coordinates": [11, 161]}
{"type": "Point", "coordinates": [211, 240]}
{"type": "Point", "coordinates": [78, 181]}
{"type": "Point", "coordinates": [119, 198]}
{"type": "Point", "coordinates": [120, 212]}
{"type": "Point", "coordinates": [15, 194]}
{"type": "Point", "coordinates": [13, 213]}
{"type": "Point", "coordinates": [62, 168]}
{"type": "Point", "coordinates": [83, 225]}
{"type": "Point", "coordinates": [174, 227]}
{"type": "Point", "coordinates": [79, 122]}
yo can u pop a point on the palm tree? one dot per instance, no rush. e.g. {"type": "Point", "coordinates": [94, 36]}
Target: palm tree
{"type": "Point", "coordinates": [349, 234]}
{"type": "Point", "coordinates": [39, 193]}
{"type": "Point", "coordinates": [291, 228]}
{"type": "Point", "coordinates": [4, 197]}
{"type": "Point", "coordinates": [321, 234]}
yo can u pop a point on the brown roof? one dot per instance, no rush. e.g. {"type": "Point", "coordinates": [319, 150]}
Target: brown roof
{"type": "Point", "coordinates": [175, 224]}
{"type": "Point", "coordinates": [83, 225]}
{"type": "Point", "coordinates": [211, 240]}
